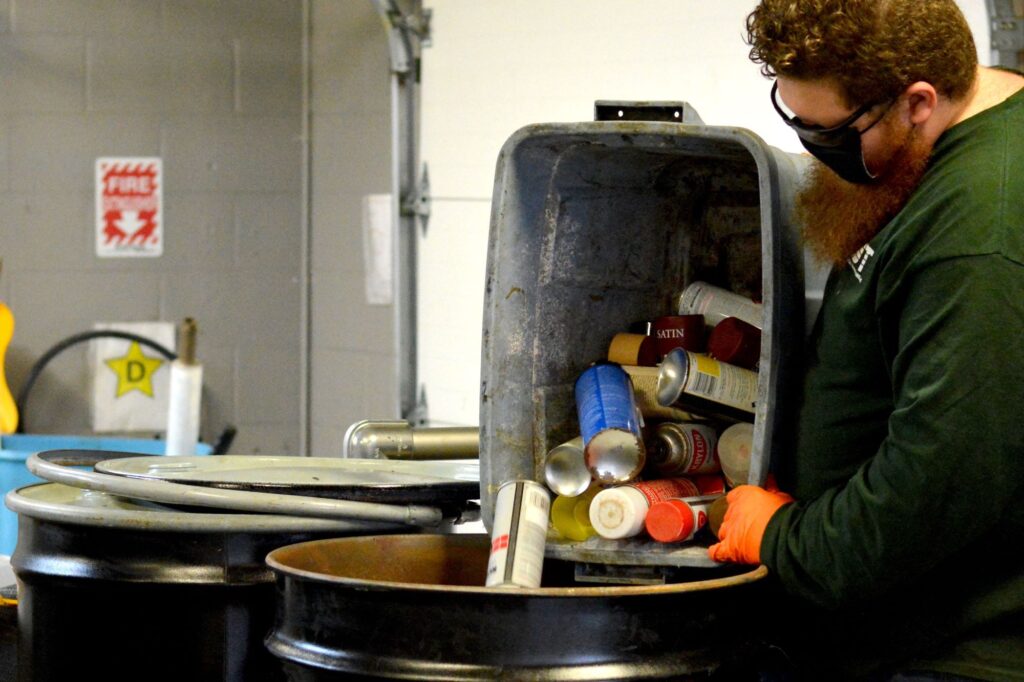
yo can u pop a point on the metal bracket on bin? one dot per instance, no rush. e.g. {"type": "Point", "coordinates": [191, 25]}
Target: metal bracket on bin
{"type": "Point", "coordinates": [619, 575]}
{"type": "Point", "coordinates": [417, 201]}
{"type": "Point", "coordinates": [1006, 18]}
{"type": "Point", "coordinates": [665, 112]}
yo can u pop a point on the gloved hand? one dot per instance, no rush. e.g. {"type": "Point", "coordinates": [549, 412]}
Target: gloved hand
{"type": "Point", "coordinates": [750, 510]}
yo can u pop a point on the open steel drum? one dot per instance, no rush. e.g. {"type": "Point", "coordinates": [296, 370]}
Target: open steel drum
{"type": "Point", "coordinates": [414, 607]}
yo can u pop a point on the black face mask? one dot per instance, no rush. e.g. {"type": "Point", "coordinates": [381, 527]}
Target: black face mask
{"type": "Point", "coordinates": [838, 147]}
{"type": "Point", "coordinates": [845, 158]}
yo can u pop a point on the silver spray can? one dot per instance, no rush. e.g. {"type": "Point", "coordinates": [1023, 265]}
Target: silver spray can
{"type": "Point", "coordinates": [518, 535]}
{"type": "Point", "coordinates": [716, 304]}
{"type": "Point", "coordinates": [565, 470]}
{"type": "Point", "coordinates": [645, 390]}
{"type": "Point", "coordinates": [700, 383]}
{"type": "Point", "coordinates": [683, 449]}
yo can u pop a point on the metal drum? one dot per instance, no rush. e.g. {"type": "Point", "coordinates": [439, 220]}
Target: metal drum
{"type": "Point", "coordinates": [414, 607]}
{"type": "Point", "coordinates": [115, 589]}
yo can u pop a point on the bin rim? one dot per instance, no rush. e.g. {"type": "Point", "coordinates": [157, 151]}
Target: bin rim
{"type": "Point", "coordinates": [743, 136]}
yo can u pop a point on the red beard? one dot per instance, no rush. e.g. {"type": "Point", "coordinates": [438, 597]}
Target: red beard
{"type": "Point", "coordinates": [838, 217]}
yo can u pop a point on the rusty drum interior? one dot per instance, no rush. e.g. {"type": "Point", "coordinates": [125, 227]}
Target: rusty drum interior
{"type": "Point", "coordinates": [459, 562]}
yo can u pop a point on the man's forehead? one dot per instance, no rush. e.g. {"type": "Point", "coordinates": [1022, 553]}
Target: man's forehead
{"type": "Point", "coordinates": [813, 101]}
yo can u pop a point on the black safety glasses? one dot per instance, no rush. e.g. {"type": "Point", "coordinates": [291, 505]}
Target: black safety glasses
{"type": "Point", "coordinates": [827, 137]}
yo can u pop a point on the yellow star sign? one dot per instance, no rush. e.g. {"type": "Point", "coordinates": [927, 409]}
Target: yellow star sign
{"type": "Point", "coordinates": [134, 371]}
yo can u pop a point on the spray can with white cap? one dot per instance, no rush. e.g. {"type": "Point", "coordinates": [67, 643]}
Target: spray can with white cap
{"type": "Point", "coordinates": [619, 512]}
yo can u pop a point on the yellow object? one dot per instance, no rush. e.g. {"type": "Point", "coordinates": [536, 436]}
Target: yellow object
{"type": "Point", "coordinates": [134, 370]}
{"type": "Point", "coordinates": [570, 516]}
{"type": "Point", "coordinates": [8, 409]}
{"type": "Point", "coordinates": [8, 602]}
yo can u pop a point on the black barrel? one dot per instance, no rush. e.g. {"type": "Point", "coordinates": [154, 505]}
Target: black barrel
{"type": "Point", "coordinates": [414, 607]}
{"type": "Point", "coordinates": [113, 589]}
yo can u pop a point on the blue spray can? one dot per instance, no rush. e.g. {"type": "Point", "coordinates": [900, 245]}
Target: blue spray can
{"type": "Point", "coordinates": [610, 424]}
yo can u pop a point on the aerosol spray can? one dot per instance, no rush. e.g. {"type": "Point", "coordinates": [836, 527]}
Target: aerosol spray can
{"type": "Point", "coordinates": [716, 304]}
{"type": "Point", "coordinates": [633, 349]}
{"type": "Point", "coordinates": [610, 424]}
{"type": "Point", "coordinates": [704, 385]}
{"type": "Point", "coordinates": [519, 535]}
{"type": "Point", "coordinates": [645, 390]}
{"type": "Point", "coordinates": [570, 516]}
{"type": "Point", "coordinates": [735, 342]}
{"type": "Point", "coordinates": [678, 331]}
{"type": "Point", "coordinates": [678, 520]}
{"type": "Point", "coordinates": [619, 512]}
{"type": "Point", "coordinates": [733, 451]}
{"type": "Point", "coordinates": [565, 471]}
{"type": "Point", "coordinates": [683, 449]}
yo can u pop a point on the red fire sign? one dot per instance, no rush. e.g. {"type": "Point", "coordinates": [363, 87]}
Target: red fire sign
{"type": "Point", "coordinates": [129, 207]}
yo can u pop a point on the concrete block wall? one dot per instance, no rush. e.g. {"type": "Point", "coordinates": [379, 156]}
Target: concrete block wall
{"type": "Point", "coordinates": [496, 66]}
{"type": "Point", "coordinates": [353, 349]}
{"type": "Point", "coordinates": [214, 88]}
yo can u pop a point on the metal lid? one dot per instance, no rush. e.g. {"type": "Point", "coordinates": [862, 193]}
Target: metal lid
{"type": "Point", "coordinates": [435, 481]}
{"type": "Point", "coordinates": [65, 504]}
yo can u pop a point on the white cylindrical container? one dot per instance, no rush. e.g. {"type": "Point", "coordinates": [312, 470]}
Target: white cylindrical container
{"type": "Point", "coordinates": [183, 409]}
{"type": "Point", "coordinates": [734, 448]}
{"type": "Point", "coordinates": [519, 534]}
{"type": "Point", "coordinates": [620, 512]}
{"type": "Point", "coordinates": [716, 304]}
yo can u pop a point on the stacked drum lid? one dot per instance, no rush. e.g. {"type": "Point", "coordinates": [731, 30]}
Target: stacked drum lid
{"type": "Point", "coordinates": [131, 588]}
{"type": "Point", "coordinates": [447, 483]}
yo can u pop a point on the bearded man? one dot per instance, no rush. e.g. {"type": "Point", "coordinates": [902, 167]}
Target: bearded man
{"type": "Point", "coordinates": [897, 537]}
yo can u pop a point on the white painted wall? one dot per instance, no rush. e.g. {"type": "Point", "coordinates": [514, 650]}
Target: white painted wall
{"type": "Point", "coordinates": [496, 66]}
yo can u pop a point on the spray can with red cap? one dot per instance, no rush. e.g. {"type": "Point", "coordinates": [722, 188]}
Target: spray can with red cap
{"type": "Point", "coordinates": [678, 520]}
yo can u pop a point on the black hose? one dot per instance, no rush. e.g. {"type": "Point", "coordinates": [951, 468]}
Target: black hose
{"type": "Point", "coordinates": [44, 360]}
{"type": "Point", "coordinates": [226, 437]}
{"type": "Point", "coordinates": [224, 441]}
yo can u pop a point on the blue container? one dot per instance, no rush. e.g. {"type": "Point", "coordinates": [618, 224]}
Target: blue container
{"type": "Point", "coordinates": [15, 449]}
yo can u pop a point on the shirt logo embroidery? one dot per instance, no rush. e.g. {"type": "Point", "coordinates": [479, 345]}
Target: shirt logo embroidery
{"type": "Point", "coordinates": [860, 259]}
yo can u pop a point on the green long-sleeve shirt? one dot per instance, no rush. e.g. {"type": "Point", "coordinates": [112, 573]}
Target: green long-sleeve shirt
{"type": "Point", "coordinates": [909, 462]}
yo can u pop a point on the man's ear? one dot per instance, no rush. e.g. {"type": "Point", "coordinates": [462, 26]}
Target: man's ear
{"type": "Point", "coordinates": [922, 99]}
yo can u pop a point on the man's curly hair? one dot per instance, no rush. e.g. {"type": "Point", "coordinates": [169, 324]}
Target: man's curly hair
{"type": "Point", "coordinates": [873, 49]}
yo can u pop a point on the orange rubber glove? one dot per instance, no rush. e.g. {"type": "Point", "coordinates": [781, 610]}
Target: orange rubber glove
{"type": "Point", "coordinates": [750, 510]}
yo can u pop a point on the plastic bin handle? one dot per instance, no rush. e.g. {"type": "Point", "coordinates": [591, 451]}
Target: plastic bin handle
{"type": "Point", "coordinates": [665, 112]}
